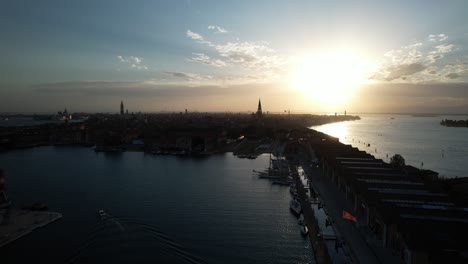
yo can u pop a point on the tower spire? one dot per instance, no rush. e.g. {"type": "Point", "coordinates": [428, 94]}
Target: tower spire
{"type": "Point", "coordinates": [121, 107]}
{"type": "Point", "coordinates": [259, 109]}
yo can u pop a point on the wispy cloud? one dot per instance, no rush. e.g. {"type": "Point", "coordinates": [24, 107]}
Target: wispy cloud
{"type": "Point", "coordinates": [194, 35]}
{"type": "Point", "coordinates": [403, 70]}
{"type": "Point", "coordinates": [217, 29]}
{"type": "Point", "coordinates": [257, 57]}
{"type": "Point", "coordinates": [452, 75]}
{"type": "Point", "coordinates": [440, 37]}
{"type": "Point", "coordinates": [197, 37]}
{"type": "Point", "coordinates": [187, 76]}
{"type": "Point", "coordinates": [203, 58]}
{"type": "Point", "coordinates": [133, 61]}
{"type": "Point", "coordinates": [427, 61]}
{"type": "Point", "coordinates": [443, 48]}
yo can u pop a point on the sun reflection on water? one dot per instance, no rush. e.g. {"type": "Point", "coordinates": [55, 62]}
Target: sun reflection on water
{"type": "Point", "coordinates": [338, 130]}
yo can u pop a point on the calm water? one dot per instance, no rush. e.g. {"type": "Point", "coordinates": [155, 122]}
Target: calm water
{"type": "Point", "coordinates": [166, 209]}
{"type": "Point", "coordinates": [422, 141]}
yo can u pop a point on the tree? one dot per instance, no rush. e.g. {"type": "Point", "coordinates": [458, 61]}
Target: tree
{"type": "Point", "coordinates": [397, 161]}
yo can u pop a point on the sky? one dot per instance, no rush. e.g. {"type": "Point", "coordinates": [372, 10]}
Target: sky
{"type": "Point", "coordinates": [303, 56]}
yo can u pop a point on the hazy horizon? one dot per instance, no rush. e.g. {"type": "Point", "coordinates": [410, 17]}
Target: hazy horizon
{"type": "Point", "coordinates": [207, 56]}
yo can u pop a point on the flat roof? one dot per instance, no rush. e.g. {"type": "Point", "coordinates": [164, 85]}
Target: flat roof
{"type": "Point", "coordinates": [368, 168]}
{"type": "Point", "coordinates": [417, 202]}
{"type": "Point", "coordinates": [350, 158]}
{"type": "Point", "coordinates": [404, 191]}
{"type": "Point", "coordinates": [432, 207]}
{"type": "Point", "coordinates": [391, 182]}
{"type": "Point", "coordinates": [361, 162]}
{"type": "Point", "coordinates": [380, 173]}
{"type": "Point", "coordinates": [434, 218]}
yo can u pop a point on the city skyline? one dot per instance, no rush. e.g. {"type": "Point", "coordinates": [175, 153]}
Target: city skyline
{"type": "Point", "coordinates": [305, 56]}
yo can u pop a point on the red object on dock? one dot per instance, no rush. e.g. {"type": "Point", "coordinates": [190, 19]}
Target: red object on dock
{"type": "Point", "coordinates": [348, 216]}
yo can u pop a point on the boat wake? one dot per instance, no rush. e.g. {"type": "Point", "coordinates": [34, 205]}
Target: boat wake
{"type": "Point", "coordinates": [130, 240]}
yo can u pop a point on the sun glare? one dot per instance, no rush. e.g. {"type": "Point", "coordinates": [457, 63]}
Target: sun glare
{"type": "Point", "coordinates": [329, 78]}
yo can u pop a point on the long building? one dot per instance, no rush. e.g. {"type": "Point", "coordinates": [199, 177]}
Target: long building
{"type": "Point", "coordinates": [414, 219]}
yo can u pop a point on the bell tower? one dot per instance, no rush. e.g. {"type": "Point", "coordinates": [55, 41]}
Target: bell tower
{"type": "Point", "coordinates": [259, 109]}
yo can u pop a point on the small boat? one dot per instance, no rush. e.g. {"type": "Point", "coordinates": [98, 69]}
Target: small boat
{"type": "Point", "coordinates": [304, 230]}
{"type": "Point", "coordinates": [102, 214]}
{"type": "Point", "coordinates": [301, 219]}
{"type": "Point", "coordinates": [292, 189]}
{"type": "Point", "coordinates": [295, 207]}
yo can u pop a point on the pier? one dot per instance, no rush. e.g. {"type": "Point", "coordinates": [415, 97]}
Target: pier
{"type": "Point", "coordinates": [318, 243]}
{"type": "Point", "coordinates": [17, 223]}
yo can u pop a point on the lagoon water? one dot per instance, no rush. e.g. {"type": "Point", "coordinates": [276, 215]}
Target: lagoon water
{"type": "Point", "coordinates": [422, 141]}
{"type": "Point", "coordinates": [27, 121]}
{"type": "Point", "coordinates": [164, 209]}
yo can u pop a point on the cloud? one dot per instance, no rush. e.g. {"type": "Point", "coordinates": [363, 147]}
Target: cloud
{"type": "Point", "coordinates": [203, 58]}
{"type": "Point", "coordinates": [183, 75]}
{"type": "Point", "coordinates": [217, 29]}
{"type": "Point", "coordinates": [395, 72]}
{"type": "Point", "coordinates": [426, 61]}
{"type": "Point", "coordinates": [197, 37]}
{"type": "Point", "coordinates": [194, 36]}
{"type": "Point", "coordinates": [256, 57]}
{"type": "Point", "coordinates": [440, 37]}
{"type": "Point", "coordinates": [133, 61]}
{"type": "Point", "coordinates": [443, 48]}
{"type": "Point", "coordinates": [433, 58]}
{"type": "Point", "coordinates": [130, 59]}
{"type": "Point", "coordinates": [454, 70]}
{"type": "Point", "coordinates": [452, 75]}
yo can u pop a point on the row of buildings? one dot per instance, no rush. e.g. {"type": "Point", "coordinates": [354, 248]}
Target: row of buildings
{"type": "Point", "coordinates": [406, 208]}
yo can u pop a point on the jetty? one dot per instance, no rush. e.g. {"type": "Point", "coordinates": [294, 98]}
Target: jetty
{"type": "Point", "coordinates": [16, 223]}
{"type": "Point", "coordinates": [318, 243]}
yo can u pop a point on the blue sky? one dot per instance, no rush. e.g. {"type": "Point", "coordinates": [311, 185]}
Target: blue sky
{"type": "Point", "coordinates": [224, 55]}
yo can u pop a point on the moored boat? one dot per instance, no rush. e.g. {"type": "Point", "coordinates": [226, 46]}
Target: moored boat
{"type": "Point", "coordinates": [102, 214]}
{"type": "Point", "coordinates": [304, 230]}
{"type": "Point", "coordinates": [295, 207]}
{"type": "Point", "coordinates": [301, 219]}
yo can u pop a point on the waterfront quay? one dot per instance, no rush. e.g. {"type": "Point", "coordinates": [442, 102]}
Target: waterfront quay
{"type": "Point", "coordinates": [403, 214]}
{"type": "Point", "coordinates": [16, 223]}
{"type": "Point", "coordinates": [317, 242]}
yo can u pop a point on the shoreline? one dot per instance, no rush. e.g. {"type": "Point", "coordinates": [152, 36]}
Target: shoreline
{"type": "Point", "coordinates": [22, 222]}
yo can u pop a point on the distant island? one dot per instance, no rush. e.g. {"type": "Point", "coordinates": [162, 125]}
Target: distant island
{"type": "Point", "coordinates": [454, 123]}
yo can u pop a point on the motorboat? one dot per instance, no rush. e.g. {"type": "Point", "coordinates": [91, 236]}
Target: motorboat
{"type": "Point", "coordinates": [102, 214]}
{"type": "Point", "coordinates": [301, 219]}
